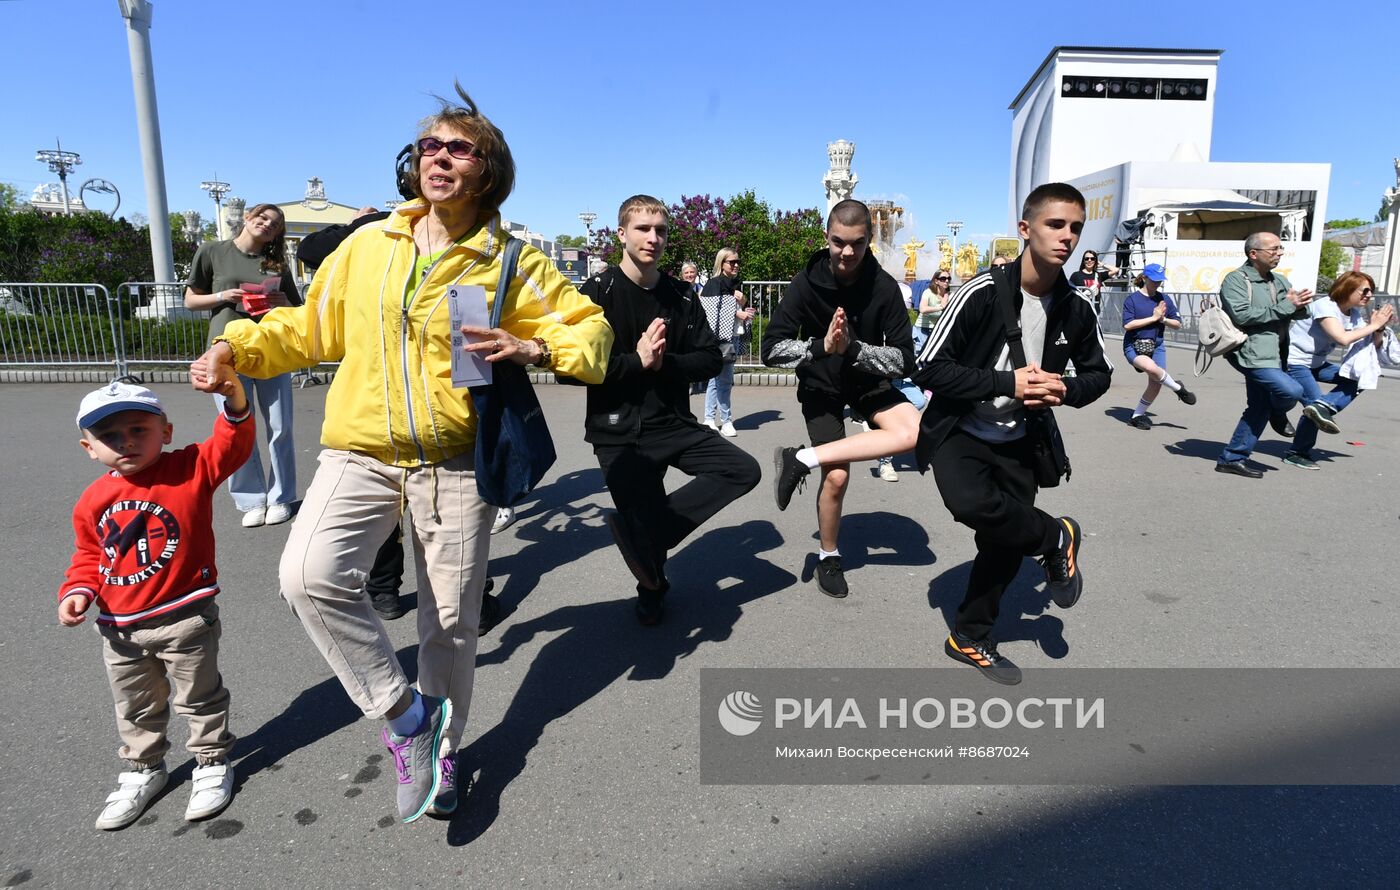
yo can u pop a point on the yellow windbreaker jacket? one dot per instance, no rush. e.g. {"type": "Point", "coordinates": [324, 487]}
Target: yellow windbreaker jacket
{"type": "Point", "coordinates": [392, 397]}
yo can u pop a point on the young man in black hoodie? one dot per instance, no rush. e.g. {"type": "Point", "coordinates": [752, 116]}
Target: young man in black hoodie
{"type": "Point", "coordinates": [843, 325]}
{"type": "Point", "coordinates": [977, 428]}
{"type": "Point", "coordinates": [639, 420]}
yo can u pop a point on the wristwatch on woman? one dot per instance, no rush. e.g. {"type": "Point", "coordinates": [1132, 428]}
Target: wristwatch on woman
{"type": "Point", "coordinates": [545, 359]}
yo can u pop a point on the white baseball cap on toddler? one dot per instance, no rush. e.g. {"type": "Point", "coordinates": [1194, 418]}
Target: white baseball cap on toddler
{"type": "Point", "coordinates": [113, 398]}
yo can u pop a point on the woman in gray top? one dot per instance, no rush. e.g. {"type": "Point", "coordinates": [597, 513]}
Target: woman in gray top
{"type": "Point", "coordinates": [220, 279]}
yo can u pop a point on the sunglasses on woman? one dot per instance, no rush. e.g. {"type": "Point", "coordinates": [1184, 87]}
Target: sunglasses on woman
{"type": "Point", "coordinates": [458, 148]}
{"type": "Point", "coordinates": [942, 278]}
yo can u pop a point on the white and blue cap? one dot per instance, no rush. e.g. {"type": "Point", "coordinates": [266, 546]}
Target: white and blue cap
{"type": "Point", "coordinates": [1154, 272]}
{"type": "Point", "coordinates": [113, 398]}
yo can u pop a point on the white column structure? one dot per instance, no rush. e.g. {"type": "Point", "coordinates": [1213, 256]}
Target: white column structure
{"type": "Point", "coordinates": [137, 14]}
{"type": "Point", "coordinates": [1390, 275]}
{"type": "Point", "coordinates": [839, 181]}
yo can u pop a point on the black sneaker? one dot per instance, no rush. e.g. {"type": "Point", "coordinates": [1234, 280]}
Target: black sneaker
{"type": "Point", "coordinates": [1186, 395]}
{"type": "Point", "coordinates": [387, 604]}
{"type": "Point", "coordinates": [788, 476]}
{"type": "Point", "coordinates": [491, 614]}
{"type": "Point", "coordinates": [1281, 425]}
{"type": "Point", "coordinates": [651, 607]}
{"type": "Point", "coordinates": [1062, 575]}
{"type": "Point", "coordinates": [830, 579]}
{"type": "Point", "coordinates": [983, 655]}
{"type": "Point", "coordinates": [636, 547]}
{"type": "Point", "coordinates": [1142, 422]}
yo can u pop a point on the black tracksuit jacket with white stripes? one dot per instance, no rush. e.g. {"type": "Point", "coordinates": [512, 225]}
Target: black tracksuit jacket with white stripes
{"type": "Point", "coordinates": [956, 364]}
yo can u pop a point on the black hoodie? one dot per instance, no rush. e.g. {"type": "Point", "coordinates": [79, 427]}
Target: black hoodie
{"type": "Point", "coordinates": [882, 341]}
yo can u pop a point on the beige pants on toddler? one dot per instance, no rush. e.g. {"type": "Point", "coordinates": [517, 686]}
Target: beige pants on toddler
{"type": "Point", "coordinates": [144, 661]}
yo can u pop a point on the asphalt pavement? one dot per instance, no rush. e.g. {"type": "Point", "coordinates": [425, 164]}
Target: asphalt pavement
{"type": "Point", "coordinates": [583, 741]}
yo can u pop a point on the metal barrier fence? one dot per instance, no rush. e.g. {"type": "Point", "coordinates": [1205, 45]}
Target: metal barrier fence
{"type": "Point", "coordinates": [160, 332]}
{"type": "Point", "coordinates": [144, 326]}
{"type": "Point", "coordinates": [57, 325]}
{"type": "Point", "coordinates": [765, 297]}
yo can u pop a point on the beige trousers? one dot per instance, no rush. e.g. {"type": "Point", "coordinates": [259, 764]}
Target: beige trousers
{"type": "Point", "coordinates": [352, 505]}
{"type": "Point", "coordinates": [144, 661]}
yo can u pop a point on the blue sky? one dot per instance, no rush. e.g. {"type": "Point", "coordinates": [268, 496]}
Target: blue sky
{"type": "Point", "coordinates": [599, 101]}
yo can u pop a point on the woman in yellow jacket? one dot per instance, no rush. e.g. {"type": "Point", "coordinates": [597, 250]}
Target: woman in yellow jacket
{"type": "Point", "coordinates": [398, 433]}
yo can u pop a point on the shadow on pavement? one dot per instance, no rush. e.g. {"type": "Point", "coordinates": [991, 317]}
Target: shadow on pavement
{"type": "Point", "coordinates": [600, 642]}
{"type": "Point", "coordinates": [1024, 608]}
{"type": "Point", "coordinates": [317, 712]}
{"type": "Point", "coordinates": [756, 419]}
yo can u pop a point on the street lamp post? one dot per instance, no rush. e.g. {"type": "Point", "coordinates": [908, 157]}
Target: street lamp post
{"type": "Point", "coordinates": [588, 216]}
{"type": "Point", "coordinates": [217, 190]}
{"type": "Point", "coordinates": [60, 162]}
{"type": "Point", "coordinates": [954, 226]}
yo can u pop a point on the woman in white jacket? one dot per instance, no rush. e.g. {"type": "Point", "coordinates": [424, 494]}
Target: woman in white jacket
{"type": "Point", "coordinates": [1334, 320]}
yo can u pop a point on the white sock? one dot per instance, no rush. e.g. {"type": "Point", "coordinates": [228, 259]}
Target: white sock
{"type": "Point", "coordinates": [406, 723]}
{"type": "Point", "coordinates": [808, 456]}
{"type": "Point", "coordinates": [823, 554]}
{"type": "Point", "coordinates": [1142, 407]}
{"type": "Point", "coordinates": [1169, 383]}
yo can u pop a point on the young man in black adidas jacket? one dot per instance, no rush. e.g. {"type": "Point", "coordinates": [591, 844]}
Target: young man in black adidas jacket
{"type": "Point", "coordinates": [639, 420]}
{"type": "Point", "coordinates": [974, 430]}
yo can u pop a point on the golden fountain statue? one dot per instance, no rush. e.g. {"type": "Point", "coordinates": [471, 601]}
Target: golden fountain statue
{"type": "Point", "coordinates": [911, 259]}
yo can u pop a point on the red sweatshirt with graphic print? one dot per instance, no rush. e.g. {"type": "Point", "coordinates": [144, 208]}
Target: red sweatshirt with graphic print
{"type": "Point", "coordinates": [145, 542]}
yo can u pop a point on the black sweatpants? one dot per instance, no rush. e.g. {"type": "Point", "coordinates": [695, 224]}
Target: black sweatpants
{"type": "Point", "coordinates": [386, 575]}
{"type": "Point", "coordinates": [634, 474]}
{"type": "Point", "coordinates": [989, 487]}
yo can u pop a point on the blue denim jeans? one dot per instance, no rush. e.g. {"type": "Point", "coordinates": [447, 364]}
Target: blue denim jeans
{"type": "Point", "coordinates": [1266, 391]}
{"type": "Point", "coordinates": [250, 489]}
{"type": "Point", "coordinates": [717, 395]}
{"type": "Point", "coordinates": [920, 338]}
{"type": "Point", "coordinates": [1344, 393]}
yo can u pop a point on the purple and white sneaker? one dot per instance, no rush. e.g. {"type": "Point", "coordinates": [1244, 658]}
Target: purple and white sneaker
{"type": "Point", "coordinates": [416, 761]}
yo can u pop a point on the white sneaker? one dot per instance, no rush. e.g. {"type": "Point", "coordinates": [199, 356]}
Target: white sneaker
{"type": "Point", "coordinates": [135, 791]}
{"type": "Point", "coordinates": [710, 422]}
{"type": "Point", "coordinates": [504, 517]}
{"type": "Point", "coordinates": [211, 789]}
{"type": "Point", "coordinates": [728, 430]}
{"type": "Point", "coordinates": [255, 517]}
{"type": "Point", "coordinates": [888, 472]}
{"type": "Point", "coordinates": [278, 514]}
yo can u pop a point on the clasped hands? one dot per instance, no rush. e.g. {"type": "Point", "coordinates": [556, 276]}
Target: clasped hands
{"type": "Point", "coordinates": [1039, 388]}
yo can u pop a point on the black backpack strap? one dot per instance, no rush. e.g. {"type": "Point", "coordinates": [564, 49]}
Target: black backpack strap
{"type": "Point", "coordinates": [1010, 319]}
{"type": "Point", "coordinates": [510, 258]}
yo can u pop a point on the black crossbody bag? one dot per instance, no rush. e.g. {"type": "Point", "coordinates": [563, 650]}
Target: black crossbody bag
{"type": "Point", "coordinates": [1049, 462]}
{"type": "Point", "coordinates": [513, 446]}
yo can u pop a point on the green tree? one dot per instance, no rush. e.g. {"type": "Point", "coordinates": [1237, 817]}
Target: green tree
{"type": "Point", "coordinates": [773, 245]}
{"type": "Point", "coordinates": [1349, 223]}
{"type": "Point", "coordinates": [571, 240]}
{"type": "Point", "coordinates": [11, 198]}
{"type": "Point", "coordinates": [85, 248]}
{"type": "Point", "coordinates": [1329, 264]}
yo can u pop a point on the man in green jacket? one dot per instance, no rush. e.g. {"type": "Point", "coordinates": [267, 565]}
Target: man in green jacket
{"type": "Point", "coordinates": [1262, 303]}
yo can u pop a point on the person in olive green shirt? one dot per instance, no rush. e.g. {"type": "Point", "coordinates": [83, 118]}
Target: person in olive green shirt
{"type": "Point", "coordinates": [1262, 303]}
{"type": "Point", "coordinates": [218, 273]}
